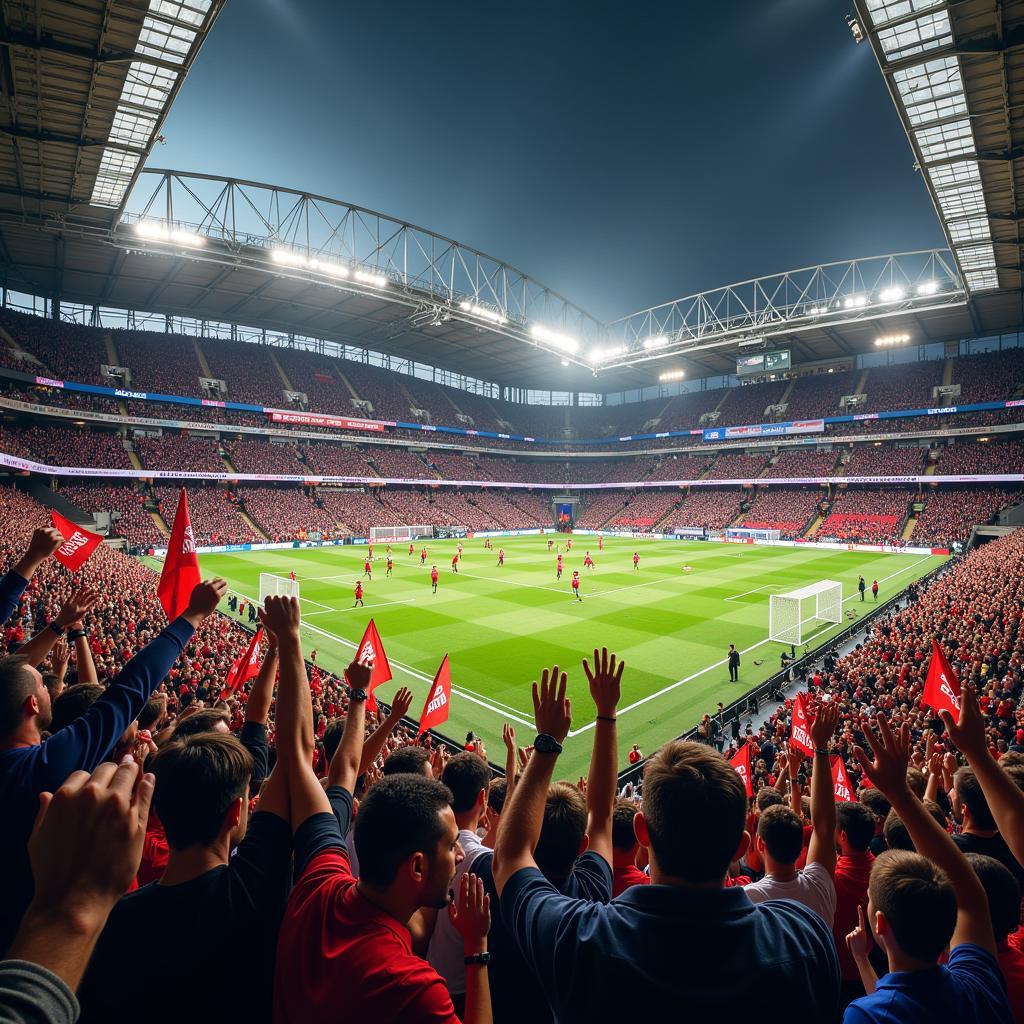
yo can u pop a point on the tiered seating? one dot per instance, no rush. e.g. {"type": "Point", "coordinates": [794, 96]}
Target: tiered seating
{"type": "Point", "coordinates": [166, 363]}
{"type": "Point", "coordinates": [731, 466]}
{"type": "Point", "coordinates": [949, 515]}
{"type": "Point", "coordinates": [866, 515]}
{"type": "Point", "coordinates": [747, 404]}
{"type": "Point", "coordinates": [712, 507]}
{"type": "Point", "coordinates": [680, 467]}
{"type": "Point", "coordinates": [399, 464]}
{"type": "Point", "coordinates": [817, 395]}
{"type": "Point", "coordinates": [248, 371]}
{"type": "Point", "coordinates": [974, 457]}
{"type": "Point", "coordinates": [179, 451]}
{"type": "Point", "coordinates": [356, 511]}
{"type": "Point", "coordinates": [598, 507]}
{"type": "Point", "coordinates": [68, 446]}
{"type": "Point", "coordinates": [788, 510]}
{"type": "Point", "coordinates": [802, 463]}
{"type": "Point", "coordinates": [904, 386]}
{"type": "Point", "coordinates": [135, 523]}
{"type": "Point", "coordinates": [990, 377]}
{"type": "Point", "coordinates": [213, 512]}
{"type": "Point", "coordinates": [645, 509]}
{"type": "Point", "coordinates": [286, 513]}
{"type": "Point", "coordinates": [264, 457]}
{"type": "Point", "coordinates": [336, 460]}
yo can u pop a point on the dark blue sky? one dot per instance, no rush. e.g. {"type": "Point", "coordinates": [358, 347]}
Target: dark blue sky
{"type": "Point", "coordinates": [623, 155]}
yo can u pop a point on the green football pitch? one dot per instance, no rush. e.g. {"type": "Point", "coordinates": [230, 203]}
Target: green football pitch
{"type": "Point", "coordinates": [501, 626]}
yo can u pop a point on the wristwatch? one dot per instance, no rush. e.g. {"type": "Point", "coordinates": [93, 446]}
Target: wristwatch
{"type": "Point", "coordinates": [357, 694]}
{"type": "Point", "coordinates": [477, 958]}
{"type": "Point", "coordinates": [547, 744]}
{"type": "Point", "coordinates": [74, 634]}
{"type": "Point", "coordinates": [821, 750]}
{"type": "Point", "coordinates": [59, 630]}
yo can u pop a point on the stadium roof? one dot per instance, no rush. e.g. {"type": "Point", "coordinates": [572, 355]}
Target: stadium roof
{"type": "Point", "coordinates": [89, 85]}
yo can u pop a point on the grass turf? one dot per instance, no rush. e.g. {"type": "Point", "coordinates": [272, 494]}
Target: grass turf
{"type": "Point", "coordinates": [502, 626]}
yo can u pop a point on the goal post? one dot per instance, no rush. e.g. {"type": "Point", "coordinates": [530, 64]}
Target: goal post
{"type": "Point", "coordinates": [398, 534]}
{"type": "Point", "coordinates": [753, 533]}
{"type": "Point", "coordinates": [794, 616]}
{"type": "Point", "coordinates": [272, 585]}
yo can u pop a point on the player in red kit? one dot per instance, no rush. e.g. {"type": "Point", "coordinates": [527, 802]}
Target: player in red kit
{"type": "Point", "coordinates": [588, 562]}
{"type": "Point", "coordinates": [460, 549]}
{"type": "Point", "coordinates": [455, 563]}
{"type": "Point", "coordinates": [576, 584]}
{"type": "Point", "coordinates": [600, 543]}
{"type": "Point", "coordinates": [359, 594]}
{"type": "Point", "coordinates": [368, 570]}
{"type": "Point", "coordinates": [291, 575]}
{"type": "Point", "coordinates": [501, 556]}
{"type": "Point", "coordinates": [636, 561]}
{"type": "Point", "coordinates": [391, 565]}
{"type": "Point", "coordinates": [411, 548]}
{"type": "Point", "coordinates": [550, 543]}
{"type": "Point", "coordinates": [568, 544]}
{"type": "Point", "coordinates": [558, 573]}
{"type": "Point", "coordinates": [433, 578]}
{"type": "Point", "coordinates": [369, 552]}
{"type": "Point", "coordinates": [423, 557]}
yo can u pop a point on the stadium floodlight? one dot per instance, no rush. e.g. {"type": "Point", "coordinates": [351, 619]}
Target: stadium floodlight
{"type": "Point", "coordinates": [560, 341]}
{"type": "Point", "coordinates": [818, 310]}
{"type": "Point", "coordinates": [927, 287]}
{"type": "Point", "coordinates": [159, 233]}
{"type": "Point", "coordinates": [329, 268]}
{"type": "Point", "coordinates": [888, 340]}
{"type": "Point", "coordinates": [482, 312]}
{"type": "Point", "coordinates": [564, 362]}
{"type": "Point", "coordinates": [602, 355]}
{"type": "Point", "coordinates": [672, 375]}
{"type": "Point", "coordinates": [656, 341]}
{"type": "Point", "coordinates": [855, 302]}
{"type": "Point", "coordinates": [288, 258]}
{"type": "Point", "coordinates": [368, 277]}
{"type": "Point", "coordinates": [891, 294]}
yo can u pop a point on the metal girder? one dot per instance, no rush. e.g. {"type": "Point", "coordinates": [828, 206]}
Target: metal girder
{"type": "Point", "coordinates": [798, 300]}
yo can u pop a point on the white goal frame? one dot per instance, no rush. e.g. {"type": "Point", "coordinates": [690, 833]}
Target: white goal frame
{"type": "Point", "coordinates": [398, 534]}
{"type": "Point", "coordinates": [272, 585]}
{"type": "Point", "coordinates": [754, 533]}
{"type": "Point", "coordinates": [789, 618]}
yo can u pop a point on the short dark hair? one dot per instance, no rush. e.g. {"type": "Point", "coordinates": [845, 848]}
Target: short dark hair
{"type": "Point", "coordinates": [466, 775]}
{"type": "Point", "coordinates": [497, 793]}
{"type": "Point", "coordinates": [782, 831]}
{"type": "Point", "coordinates": [1002, 891]}
{"type": "Point", "coordinates": [407, 760]}
{"type": "Point", "coordinates": [623, 833]}
{"type": "Point", "coordinates": [52, 682]}
{"type": "Point", "coordinates": [874, 801]}
{"type": "Point", "coordinates": [150, 713]}
{"type": "Point", "coordinates": [917, 781]}
{"type": "Point", "coordinates": [1015, 771]}
{"type": "Point", "coordinates": [73, 703]}
{"type": "Point", "coordinates": [695, 806]}
{"type": "Point", "coordinates": [769, 797]}
{"type": "Point", "coordinates": [400, 816]}
{"type": "Point", "coordinates": [203, 720]}
{"type": "Point", "coordinates": [198, 778]}
{"type": "Point", "coordinates": [967, 787]}
{"type": "Point", "coordinates": [561, 835]}
{"type": "Point", "coordinates": [16, 686]}
{"type": "Point", "coordinates": [896, 835]}
{"type": "Point", "coordinates": [332, 737]}
{"type": "Point", "coordinates": [918, 901]}
{"type": "Point", "coordinates": [858, 822]}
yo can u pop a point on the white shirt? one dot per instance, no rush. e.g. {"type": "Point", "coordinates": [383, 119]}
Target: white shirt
{"type": "Point", "coordinates": [813, 887]}
{"type": "Point", "coordinates": [445, 953]}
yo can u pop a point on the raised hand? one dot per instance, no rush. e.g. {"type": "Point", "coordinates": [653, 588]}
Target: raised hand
{"type": "Point", "coordinates": [43, 544]}
{"type": "Point", "coordinates": [552, 710]}
{"type": "Point", "coordinates": [59, 658]}
{"type": "Point", "coordinates": [471, 914]}
{"type": "Point", "coordinates": [204, 600]}
{"type": "Point", "coordinates": [400, 703]}
{"type": "Point", "coordinates": [281, 616]}
{"type": "Point", "coordinates": [359, 672]}
{"type": "Point", "coordinates": [823, 728]}
{"type": "Point", "coordinates": [82, 601]}
{"type": "Point", "coordinates": [605, 681]}
{"type": "Point", "coordinates": [858, 942]}
{"type": "Point", "coordinates": [508, 735]}
{"type": "Point", "coordinates": [969, 733]}
{"type": "Point", "coordinates": [891, 750]}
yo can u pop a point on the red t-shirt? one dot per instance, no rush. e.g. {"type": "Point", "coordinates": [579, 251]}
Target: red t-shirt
{"type": "Point", "coordinates": [852, 874]}
{"type": "Point", "coordinates": [155, 851]}
{"type": "Point", "coordinates": [634, 756]}
{"type": "Point", "coordinates": [623, 878]}
{"type": "Point", "coordinates": [1011, 963]}
{"type": "Point", "coordinates": [341, 959]}
{"type": "Point", "coordinates": [433, 575]}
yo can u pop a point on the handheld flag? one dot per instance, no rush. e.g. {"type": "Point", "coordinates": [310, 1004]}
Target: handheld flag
{"type": "Point", "coordinates": [941, 688]}
{"type": "Point", "coordinates": [78, 545]}
{"type": "Point", "coordinates": [841, 784]}
{"type": "Point", "coordinates": [372, 647]}
{"type": "Point", "coordinates": [741, 763]}
{"type": "Point", "coordinates": [180, 573]}
{"type": "Point", "coordinates": [439, 699]}
{"type": "Point", "coordinates": [245, 668]}
{"type": "Point", "coordinates": [800, 736]}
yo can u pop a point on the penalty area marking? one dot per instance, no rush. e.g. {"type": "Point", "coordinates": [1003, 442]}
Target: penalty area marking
{"type": "Point", "coordinates": [767, 586]}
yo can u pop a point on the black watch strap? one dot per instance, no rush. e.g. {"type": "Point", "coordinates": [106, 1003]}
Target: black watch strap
{"type": "Point", "coordinates": [477, 958]}
{"type": "Point", "coordinates": [357, 694]}
{"type": "Point", "coordinates": [75, 634]}
{"type": "Point", "coordinates": [547, 744]}
{"type": "Point", "coordinates": [59, 630]}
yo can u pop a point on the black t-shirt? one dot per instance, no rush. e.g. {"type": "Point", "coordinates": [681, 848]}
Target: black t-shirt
{"type": "Point", "coordinates": [516, 993]}
{"type": "Point", "coordinates": [202, 950]}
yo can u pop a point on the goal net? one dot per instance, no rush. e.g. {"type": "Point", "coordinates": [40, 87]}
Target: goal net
{"type": "Point", "coordinates": [277, 586]}
{"type": "Point", "coordinates": [795, 616]}
{"type": "Point", "coordinates": [397, 534]}
{"type": "Point", "coordinates": [752, 533]}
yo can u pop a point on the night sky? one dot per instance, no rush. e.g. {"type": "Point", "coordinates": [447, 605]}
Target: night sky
{"type": "Point", "coordinates": [623, 155]}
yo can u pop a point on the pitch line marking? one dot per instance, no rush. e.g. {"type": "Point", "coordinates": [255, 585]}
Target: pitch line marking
{"type": "Point", "coordinates": [719, 664]}
{"type": "Point", "coordinates": [767, 586]}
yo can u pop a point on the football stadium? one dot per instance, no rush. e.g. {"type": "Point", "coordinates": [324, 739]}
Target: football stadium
{"type": "Point", "coordinates": [320, 527]}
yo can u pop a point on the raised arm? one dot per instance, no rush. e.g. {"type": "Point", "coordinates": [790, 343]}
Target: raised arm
{"type": "Point", "coordinates": [257, 708]}
{"type": "Point", "coordinates": [345, 764]}
{"type": "Point", "coordinates": [43, 544]}
{"type": "Point", "coordinates": [605, 680]}
{"type": "Point", "coordinates": [85, 667]}
{"type": "Point", "coordinates": [889, 773]}
{"type": "Point", "coordinates": [822, 847]}
{"type": "Point", "coordinates": [294, 719]}
{"type": "Point", "coordinates": [1005, 800]}
{"type": "Point", "coordinates": [35, 650]}
{"type": "Point", "coordinates": [508, 736]}
{"type": "Point", "coordinates": [374, 743]}
{"type": "Point", "coordinates": [524, 814]}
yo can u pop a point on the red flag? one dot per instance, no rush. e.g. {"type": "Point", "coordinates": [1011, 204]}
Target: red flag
{"type": "Point", "coordinates": [941, 688]}
{"type": "Point", "coordinates": [372, 647]}
{"type": "Point", "coordinates": [78, 545]}
{"type": "Point", "coordinates": [245, 668]}
{"type": "Point", "coordinates": [180, 573]}
{"type": "Point", "coordinates": [800, 734]}
{"type": "Point", "coordinates": [439, 699]}
{"type": "Point", "coordinates": [741, 763]}
{"type": "Point", "coordinates": [841, 784]}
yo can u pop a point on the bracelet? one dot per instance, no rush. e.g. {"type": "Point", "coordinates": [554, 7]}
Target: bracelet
{"type": "Point", "coordinates": [605, 718]}
{"type": "Point", "coordinates": [477, 959]}
{"type": "Point", "coordinates": [59, 630]}
{"type": "Point", "coordinates": [75, 634]}
{"type": "Point", "coordinates": [821, 750]}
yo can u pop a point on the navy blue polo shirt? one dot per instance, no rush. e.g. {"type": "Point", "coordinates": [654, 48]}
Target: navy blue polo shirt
{"type": "Point", "coordinates": [968, 990]}
{"type": "Point", "coordinates": [677, 949]}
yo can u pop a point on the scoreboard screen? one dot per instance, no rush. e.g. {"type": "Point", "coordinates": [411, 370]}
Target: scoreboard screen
{"type": "Point", "coordinates": [763, 362]}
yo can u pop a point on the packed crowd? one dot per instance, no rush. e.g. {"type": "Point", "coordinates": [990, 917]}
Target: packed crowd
{"type": "Point", "coordinates": [949, 515]}
{"type": "Point", "coordinates": [866, 515]}
{"type": "Point", "coordinates": [179, 451]}
{"type": "Point", "coordinates": [789, 510]}
{"type": "Point", "coordinates": [802, 464]}
{"type": "Point", "coordinates": [885, 460]}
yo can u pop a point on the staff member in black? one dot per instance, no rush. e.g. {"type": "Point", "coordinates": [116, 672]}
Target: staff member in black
{"type": "Point", "coordinates": [734, 664]}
